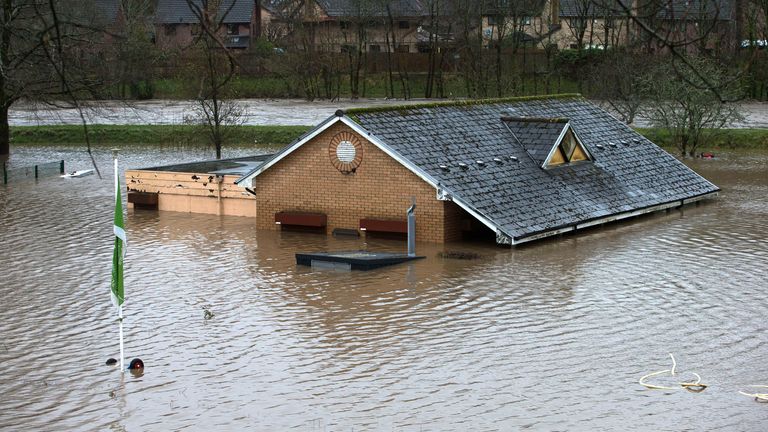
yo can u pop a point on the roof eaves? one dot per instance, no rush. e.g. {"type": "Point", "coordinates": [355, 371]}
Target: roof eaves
{"type": "Point", "coordinates": [298, 142]}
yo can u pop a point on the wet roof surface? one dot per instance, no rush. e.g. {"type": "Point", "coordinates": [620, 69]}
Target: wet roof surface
{"type": "Point", "coordinates": [537, 137]}
{"type": "Point", "coordinates": [236, 166]}
{"type": "Point", "coordinates": [510, 188]}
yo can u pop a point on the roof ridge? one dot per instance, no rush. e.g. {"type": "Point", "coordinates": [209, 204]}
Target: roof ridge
{"type": "Point", "coordinates": [534, 119]}
{"type": "Point", "coordinates": [459, 102]}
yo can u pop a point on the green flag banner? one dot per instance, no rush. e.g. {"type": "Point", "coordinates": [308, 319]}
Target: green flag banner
{"type": "Point", "coordinates": [118, 293]}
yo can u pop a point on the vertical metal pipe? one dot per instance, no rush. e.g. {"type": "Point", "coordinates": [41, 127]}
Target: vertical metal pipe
{"type": "Point", "coordinates": [35, 171]}
{"type": "Point", "coordinates": [5, 174]}
{"type": "Point", "coordinates": [61, 166]}
{"type": "Point", "coordinates": [412, 228]}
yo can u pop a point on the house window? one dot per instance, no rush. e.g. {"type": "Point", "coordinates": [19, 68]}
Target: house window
{"type": "Point", "coordinates": [233, 29]}
{"type": "Point", "coordinates": [569, 150]}
{"type": "Point", "coordinates": [346, 48]}
{"type": "Point", "coordinates": [345, 25]}
{"type": "Point", "coordinates": [526, 20]}
{"type": "Point", "coordinates": [374, 48]}
{"type": "Point", "coordinates": [169, 29]}
{"type": "Point", "coordinates": [491, 20]}
{"type": "Point", "coordinates": [403, 24]}
{"type": "Point", "coordinates": [403, 48]}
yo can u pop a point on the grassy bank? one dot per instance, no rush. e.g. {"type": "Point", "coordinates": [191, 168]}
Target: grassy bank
{"type": "Point", "coordinates": [108, 135]}
{"type": "Point", "coordinates": [721, 139]}
{"type": "Point", "coordinates": [271, 136]}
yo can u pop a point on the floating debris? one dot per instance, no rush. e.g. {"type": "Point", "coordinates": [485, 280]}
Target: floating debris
{"type": "Point", "coordinates": [760, 397]}
{"type": "Point", "coordinates": [692, 386]}
{"type": "Point", "coordinates": [207, 314]}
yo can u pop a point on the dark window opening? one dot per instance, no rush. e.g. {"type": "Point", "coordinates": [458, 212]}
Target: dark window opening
{"type": "Point", "coordinates": [374, 48]}
{"type": "Point", "coordinates": [233, 29]}
{"type": "Point", "coordinates": [403, 24]}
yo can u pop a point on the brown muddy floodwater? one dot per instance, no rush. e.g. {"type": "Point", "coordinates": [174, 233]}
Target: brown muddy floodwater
{"type": "Point", "coordinates": [553, 336]}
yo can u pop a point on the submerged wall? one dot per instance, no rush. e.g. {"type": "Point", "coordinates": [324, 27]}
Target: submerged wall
{"type": "Point", "coordinates": [193, 192]}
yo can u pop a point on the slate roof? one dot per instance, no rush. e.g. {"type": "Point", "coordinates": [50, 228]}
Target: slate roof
{"type": "Point", "coordinates": [628, 173]}
{"type": "Point", "coordinates": [536, 135]}
{"type": "Point", "coordinates": [589, 8]}
{"type": "Point", "coordinates": [178, 11]}
{"type": "Point", "coordinates": [696, 10]}
{"type": "Point", "coordinates": [353, 8]}
{"type": "Point", "coordinates": [665, 9]}
{"type": "Point", "coordinates": [106, 11]}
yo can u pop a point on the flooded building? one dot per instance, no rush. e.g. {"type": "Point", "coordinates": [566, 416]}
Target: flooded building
{"type": "Point", "coordinates": [514, 170]}
{"type": "Point", "coordinates": [197, 187]}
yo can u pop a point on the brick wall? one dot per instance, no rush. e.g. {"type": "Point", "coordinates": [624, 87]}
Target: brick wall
{"type": "Point", "coordinates": [381, 188]}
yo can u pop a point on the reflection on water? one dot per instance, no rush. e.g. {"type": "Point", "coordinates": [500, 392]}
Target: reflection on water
{"type": "Point", "coordinates": [549, 336]}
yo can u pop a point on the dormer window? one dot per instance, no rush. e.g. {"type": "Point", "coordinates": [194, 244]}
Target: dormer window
{"type": "Point", "coordinates": [568, 150]}
{"type": "Point", "coordinates": [550, 142]}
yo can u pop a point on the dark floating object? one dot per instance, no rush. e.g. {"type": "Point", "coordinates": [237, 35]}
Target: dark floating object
{"type": "Point", "coordinates": [206, 314]}
{"type": "Point", "coordinates": [136, 364]}
{"type": "Point", "coordinates": [459, 255]}
{"type": "Point", "coordinates": [111, 361]}
{"type": "Point", "coordinates": [352, 260]}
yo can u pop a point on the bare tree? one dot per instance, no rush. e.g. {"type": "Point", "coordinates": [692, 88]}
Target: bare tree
{"type": "Point", "coordinates": [215, 65]}
{"type": "Point", "coordinates": [683, 105]}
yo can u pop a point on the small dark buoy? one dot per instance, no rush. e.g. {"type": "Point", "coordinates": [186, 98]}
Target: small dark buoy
{"type": "Point", "coordinates": [339, 113]}
{"type": "Point", "coordinates": [136, 364]}
{"type": "Point", "coordinates": [111, 361]}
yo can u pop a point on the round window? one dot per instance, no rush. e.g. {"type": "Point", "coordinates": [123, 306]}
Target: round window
{"type": "Point", "coordinates": [345, 152]}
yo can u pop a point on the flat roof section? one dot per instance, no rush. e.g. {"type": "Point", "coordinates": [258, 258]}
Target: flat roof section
{"type": "Point", "coordinates": [235, 166]}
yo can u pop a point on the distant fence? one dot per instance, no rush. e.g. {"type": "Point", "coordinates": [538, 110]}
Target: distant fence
{"type": "Point", "coordinates": [35, 171]}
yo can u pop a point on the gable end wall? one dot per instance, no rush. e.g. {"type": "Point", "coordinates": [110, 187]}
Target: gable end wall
{"type": "Point", "coordinates": [381, 188]}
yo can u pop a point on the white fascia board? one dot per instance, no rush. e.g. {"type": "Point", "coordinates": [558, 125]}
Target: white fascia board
{"type": "Point", "coordinates": [557, 143]}
{"type": "Point", "coordinates": [286, 151]}
{"type": "Point", "coordinates": [616, 217]}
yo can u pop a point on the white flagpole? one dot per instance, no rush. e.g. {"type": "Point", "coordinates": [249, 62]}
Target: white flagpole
{"type": "Point", "coordinates": [119, 308]}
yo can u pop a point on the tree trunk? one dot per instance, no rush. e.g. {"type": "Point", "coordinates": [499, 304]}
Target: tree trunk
{"type": "Point", "coordinates": [5, 133]}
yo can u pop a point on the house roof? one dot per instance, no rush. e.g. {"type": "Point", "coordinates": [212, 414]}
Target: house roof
{"type": "Point", "coordinates": [106, 11]}
{"type": "Point", "coordinates": [179, 12]}
{"type": "Point", "coordinates": [664, 9]}
{"type": "Point", "coordinates": [592, 8]}
{"type": "Point", "coordinates": [355, 8]}
{"type": "Point", "coordinates": [467, 152]}
{"type": "Point", "coordinates": [536, 135]}
{"type": "Point", "coordinates": [694, 10]}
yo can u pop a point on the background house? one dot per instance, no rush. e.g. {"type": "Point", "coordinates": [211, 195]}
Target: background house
{"type": "Point", "coordinates": [177, 24]}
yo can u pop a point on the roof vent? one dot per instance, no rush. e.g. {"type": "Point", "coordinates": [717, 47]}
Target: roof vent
{"type": "Point", "coordinates": [497, 160]}
{"type": "Point", "coordinates": [481, 163]}
{"type": "Point", "coordinates": [462, 165]}
{"type": "Point", "coordinates": [612, 144]}
{"type": "Point", "coordinates": [514, 158]}
{"type": "Point", "coordinates": [444, 167]}
{"type": "Point", "coordinates": [636, 140]}
{"type": "Point", "coordinates": [625, 142]}
{"type": "Point", "coordinates": [600, 146]}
